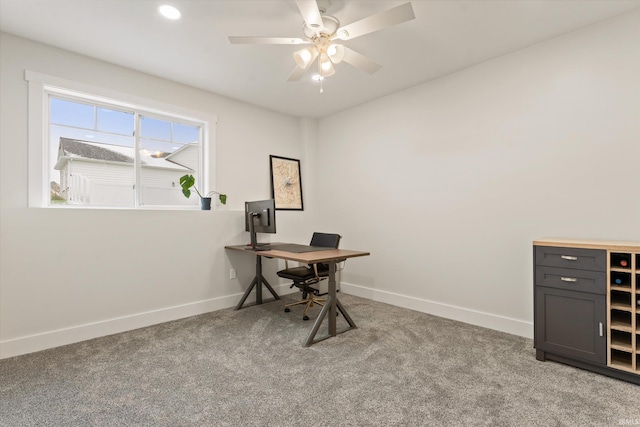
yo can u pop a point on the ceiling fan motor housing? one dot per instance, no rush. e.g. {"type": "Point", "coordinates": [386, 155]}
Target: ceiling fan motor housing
{"type": "Point", "coordinates": [330, 24]}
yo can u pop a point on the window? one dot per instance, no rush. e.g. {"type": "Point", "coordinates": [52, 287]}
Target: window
{"type": "Point", "coordinates": [107, 152]}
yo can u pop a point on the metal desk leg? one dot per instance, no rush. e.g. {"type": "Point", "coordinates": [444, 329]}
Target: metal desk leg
{"type": "Point", "coordinates": [345, 314]}
{"type": "Point", "coordinates": [258, 279]}
{"type": "Point", "coordinates": [332, 302]}
{"type": "Point", "coordinates": [257, 282]}
{"type": "Point", "coordinates": [331, 306]}
{"type": "Point", "coordinates": [246, 293]}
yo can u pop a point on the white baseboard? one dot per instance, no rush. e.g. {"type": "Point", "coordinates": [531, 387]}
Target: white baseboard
{"type": "Point", "coordinates": [486, 320]}
{"type": "Point", "coordinates": [59, 337]}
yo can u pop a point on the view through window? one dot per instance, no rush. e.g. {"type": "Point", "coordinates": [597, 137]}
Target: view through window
{"type": "Point", "coordinates": [105, 155]}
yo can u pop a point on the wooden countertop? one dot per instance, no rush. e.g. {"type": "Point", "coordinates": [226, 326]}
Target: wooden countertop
{"type": "Point", "coordinates": [614, 245]}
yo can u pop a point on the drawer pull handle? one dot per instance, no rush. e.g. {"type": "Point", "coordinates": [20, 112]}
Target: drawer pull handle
{"type": "Point", "coordinates": [569, 257]}
{"type": "Point", "coordinates": [568, 279]}
{"type": "Point", "coordinates": [601, 329]}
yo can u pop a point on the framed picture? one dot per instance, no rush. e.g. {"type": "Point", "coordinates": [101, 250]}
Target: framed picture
{"type": "Point", "coordinates": [286, 183]}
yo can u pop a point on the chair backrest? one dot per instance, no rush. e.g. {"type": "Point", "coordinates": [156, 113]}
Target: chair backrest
{"type": "Point", "coordinates": [325, 240]}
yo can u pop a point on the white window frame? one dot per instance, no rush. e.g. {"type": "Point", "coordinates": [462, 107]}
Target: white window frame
{"type": "Point", "coordinates": [41, 86]}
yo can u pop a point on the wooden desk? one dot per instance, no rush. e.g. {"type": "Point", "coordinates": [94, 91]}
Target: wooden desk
{"type": "Point", "coordinates": [330, 257]}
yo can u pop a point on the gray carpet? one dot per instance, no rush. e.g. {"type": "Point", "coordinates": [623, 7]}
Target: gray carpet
{"type": "Point", "coordinates": [248, 368]}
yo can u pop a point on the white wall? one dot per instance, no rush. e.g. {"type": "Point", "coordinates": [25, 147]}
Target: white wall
{"type": "Point", "coordinates": [448, 183]}
{"type": "Point", "coordinates": [68, 275]}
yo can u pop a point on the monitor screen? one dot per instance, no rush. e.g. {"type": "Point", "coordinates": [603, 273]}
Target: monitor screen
{"type": "Point", "coordinates": [263, 214]}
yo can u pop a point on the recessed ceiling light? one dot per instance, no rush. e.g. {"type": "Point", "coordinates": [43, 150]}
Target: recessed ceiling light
{"type": "Point", "coordinates": [169, 12]}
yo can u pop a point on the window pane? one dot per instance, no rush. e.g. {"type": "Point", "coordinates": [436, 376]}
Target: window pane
{"type": "Point", "coordinates": [162, 165]}
{"type": "Point", "coordinates": [113, 121]}
{"type": "Point", "coordinates": [71, 113]}
{"type": "Point", "coordinates": [95, 159]}
{"type": "Point", "coordinates": [185, 133]}
{"type": "Point", "coordinates": [91, 168]}
{"type": "Point", "coordinates": [154, 145]}
{"type": "Point", "coordinates": [154, 128]}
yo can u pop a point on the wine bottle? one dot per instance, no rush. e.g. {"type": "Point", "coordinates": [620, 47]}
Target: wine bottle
{"type": "Point", "coordinates": [623, 263]}
{"type": "Point", "coordinates": [618, 281]}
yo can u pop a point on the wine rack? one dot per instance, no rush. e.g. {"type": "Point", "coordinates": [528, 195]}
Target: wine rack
{"type": "Point", "coordinates": [587, 305]}
{"type": "Point", "coordinates": [623, 314]}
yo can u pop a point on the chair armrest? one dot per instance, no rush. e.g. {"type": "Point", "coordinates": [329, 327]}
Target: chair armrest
{"type": "Point", "coordinates": [294, 264]}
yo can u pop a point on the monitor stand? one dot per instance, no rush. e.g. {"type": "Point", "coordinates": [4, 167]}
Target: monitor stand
{"type": "Point", "coordinates": [254, 245]}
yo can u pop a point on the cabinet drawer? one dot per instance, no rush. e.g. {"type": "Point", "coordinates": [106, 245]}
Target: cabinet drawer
{"type": "Point", "coordinates": [594, 282]}
{"type": "Point", "coordinates": [579, 259]}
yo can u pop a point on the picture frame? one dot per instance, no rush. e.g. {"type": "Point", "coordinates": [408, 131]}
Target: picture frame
{"type": "Point", "coordinates": [286, 183]}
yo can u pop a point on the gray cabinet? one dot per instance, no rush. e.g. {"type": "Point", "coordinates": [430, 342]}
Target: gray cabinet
{"type": "Point", "coordinates": [587, 305]}
{"type": "Point", "coordinates": [570, 303]}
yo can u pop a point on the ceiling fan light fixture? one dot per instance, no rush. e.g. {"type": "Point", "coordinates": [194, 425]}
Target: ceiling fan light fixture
{"type": "Point", "coordinates": [169, 12]}
{"type": "Point", "coordinates": [304, 57]}
{"type": "Point", "coordinates": [336, 53]}
{"type": "Point", "coordinates": [317, 77]}
{"type": "Point", "coordinates": [326, 66]}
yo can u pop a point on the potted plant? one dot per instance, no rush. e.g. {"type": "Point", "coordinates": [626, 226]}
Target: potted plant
{"type": "Point", "coordinates": [187, 181]}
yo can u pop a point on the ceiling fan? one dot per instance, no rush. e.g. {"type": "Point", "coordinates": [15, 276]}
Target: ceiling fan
{"type": "Point", "coordinates": [323, 32]}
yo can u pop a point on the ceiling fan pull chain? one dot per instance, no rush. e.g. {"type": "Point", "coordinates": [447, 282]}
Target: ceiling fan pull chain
{"type": "Point", "coordinates": [320, 76]}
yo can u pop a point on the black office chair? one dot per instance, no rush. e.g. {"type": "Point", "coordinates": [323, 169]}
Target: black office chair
{"type": "Point", "coordinates": [305, 276]}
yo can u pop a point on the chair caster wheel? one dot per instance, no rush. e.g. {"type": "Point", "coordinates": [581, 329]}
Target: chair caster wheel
{"type": "Point", "coordinates": [286, 310]}
{"type": "Point", "coordinates": [305, 317]}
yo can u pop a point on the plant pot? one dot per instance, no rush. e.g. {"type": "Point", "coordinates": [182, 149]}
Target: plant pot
{"type": "Point", "coordinates": [205, 203]}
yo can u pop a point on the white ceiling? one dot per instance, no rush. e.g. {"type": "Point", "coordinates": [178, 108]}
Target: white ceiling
{"type": "Point", "coordinates": [446, 36]}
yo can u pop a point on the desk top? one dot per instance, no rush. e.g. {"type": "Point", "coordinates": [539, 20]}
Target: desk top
{"type": "Point", "coordinates": [306, 257]}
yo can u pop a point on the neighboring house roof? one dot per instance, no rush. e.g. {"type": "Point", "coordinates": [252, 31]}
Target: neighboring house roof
{"type": "Point", "coordinates": [87, 150]}
{"type": "Point", "coordinates": [78, 150]}
{"type": "Point", "coordinates": [170, 156]}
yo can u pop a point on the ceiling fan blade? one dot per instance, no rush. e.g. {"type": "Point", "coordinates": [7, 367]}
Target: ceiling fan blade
{"type": "Point", "coordinates": [388, 18]}
{"type": "Point", "coordinates": [311, 14]}
{"type": "Point", "coordinates": [267, 40]}
{"type": "Point", "coordinates": [296, 74]}
{"type": "Point", "coordinates": [360, 61]}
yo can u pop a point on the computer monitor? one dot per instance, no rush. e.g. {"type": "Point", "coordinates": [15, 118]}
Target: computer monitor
{"type": "Point", "coordinates": [259, 217]}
